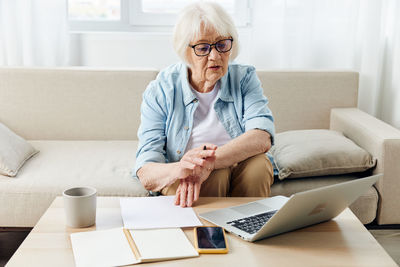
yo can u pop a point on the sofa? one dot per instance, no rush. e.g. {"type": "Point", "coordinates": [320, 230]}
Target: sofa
{"type": "Point", "coordinates": [84, 123]}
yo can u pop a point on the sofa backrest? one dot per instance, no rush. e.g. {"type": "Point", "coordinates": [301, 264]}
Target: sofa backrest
{"type": "Point", "coordinates": [304, 99]}
{"type": "Point", "coordinates": [92, 104]}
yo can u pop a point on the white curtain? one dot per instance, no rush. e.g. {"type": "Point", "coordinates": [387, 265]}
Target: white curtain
{"type": "Point", "coordinates": [33, 33]}
{"type": "Point", "coordinates": [361, 35]}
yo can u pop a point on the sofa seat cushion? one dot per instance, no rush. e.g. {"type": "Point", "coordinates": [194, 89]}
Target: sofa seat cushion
{"type": "Point", "coordinates": [364, 207]}
{"type": "Point", "coordinates": [104, 165]}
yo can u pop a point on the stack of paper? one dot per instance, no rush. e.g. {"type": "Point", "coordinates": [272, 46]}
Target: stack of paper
{"type": "Point", "coordinates": [156, 212]}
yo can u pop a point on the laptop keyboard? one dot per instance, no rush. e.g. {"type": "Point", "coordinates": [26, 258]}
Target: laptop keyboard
{"type": "Point", "coordinates": [253, 223]}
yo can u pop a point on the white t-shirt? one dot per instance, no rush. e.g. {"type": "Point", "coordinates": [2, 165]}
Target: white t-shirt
{"type": "Point", "coordinates": [206, 126]}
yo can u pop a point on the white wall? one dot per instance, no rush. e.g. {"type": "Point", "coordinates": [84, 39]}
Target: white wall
{"type": "Point", "coordinates": [139, 50]}
{"type": "Point", "coordinates": [275, 38]}
{"type": "Point", "coordinates": [132, 49]}
{"type": "Point", "coordinates": [284, 35]}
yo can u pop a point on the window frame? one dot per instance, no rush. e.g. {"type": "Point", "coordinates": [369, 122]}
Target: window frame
{"type": "Point", "coordinates": [77, 25]}
{"type": "Point", "coordinates": [133, 19]}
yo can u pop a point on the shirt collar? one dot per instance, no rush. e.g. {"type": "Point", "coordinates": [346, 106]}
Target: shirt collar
{"type": "Point", "coordinates": [224, 93]}
{"type": "Point", "coordinates": [188, 95]}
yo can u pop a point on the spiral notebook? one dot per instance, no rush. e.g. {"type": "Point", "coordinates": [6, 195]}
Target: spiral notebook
{"type": "Point", "coordinates": [119, 246]}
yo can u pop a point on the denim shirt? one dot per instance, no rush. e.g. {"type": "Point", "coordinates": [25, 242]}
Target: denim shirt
{"type": "Point", "coordinates": [169, 104]}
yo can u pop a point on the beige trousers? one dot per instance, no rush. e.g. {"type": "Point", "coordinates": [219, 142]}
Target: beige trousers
{"type": "Point", "coordinates": [252, 177]}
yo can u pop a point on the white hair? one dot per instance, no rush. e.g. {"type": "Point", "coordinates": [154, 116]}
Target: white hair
{"type": "Point", "coordinates": [207, 15]}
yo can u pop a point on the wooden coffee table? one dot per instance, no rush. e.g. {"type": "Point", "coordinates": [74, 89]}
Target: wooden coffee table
{"type": "Point", "coordinates": [343, 241]}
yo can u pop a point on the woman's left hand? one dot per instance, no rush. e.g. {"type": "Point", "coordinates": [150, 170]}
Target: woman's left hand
{"type": "Point", "coordinates": [188, 192]}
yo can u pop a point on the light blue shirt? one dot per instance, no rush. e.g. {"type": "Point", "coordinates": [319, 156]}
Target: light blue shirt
{"type": "Point", "coordinates": [169, 104]}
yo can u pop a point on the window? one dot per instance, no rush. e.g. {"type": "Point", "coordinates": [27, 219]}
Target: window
{"type": "Point", "coordinates": [162, 6]}
{"type": "Point", "coordinates": [140, 15]}
{"type": "Point", "coordinates": [105, 10]}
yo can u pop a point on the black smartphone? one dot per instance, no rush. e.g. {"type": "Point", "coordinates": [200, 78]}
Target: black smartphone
{"type": "Point", "coordinates": [210, 239]}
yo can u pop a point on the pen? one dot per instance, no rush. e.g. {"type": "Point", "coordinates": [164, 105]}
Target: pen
{"type": "Point", "coordinates": [204, 148]}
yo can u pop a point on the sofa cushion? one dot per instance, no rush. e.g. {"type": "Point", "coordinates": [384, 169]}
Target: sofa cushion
{"type": "Point", "coordinates": [104, 165]}
{"type": "Point", "coordinates": [305, 153]}
{"type": "Point", "coordinates": [14, 151]}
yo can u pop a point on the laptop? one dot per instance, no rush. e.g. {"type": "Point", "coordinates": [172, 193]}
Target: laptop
{"type": "Point", "coordinates": [275, 215]}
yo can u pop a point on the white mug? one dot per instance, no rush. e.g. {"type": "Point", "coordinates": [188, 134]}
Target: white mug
{"type": "Point", "coordinates": [80, 206]}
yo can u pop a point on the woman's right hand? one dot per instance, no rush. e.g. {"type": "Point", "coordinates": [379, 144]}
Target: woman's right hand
{"type": "Point", "coordinates": [192, 162]}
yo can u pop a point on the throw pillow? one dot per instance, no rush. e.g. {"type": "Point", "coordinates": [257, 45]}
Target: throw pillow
{"type": "Point", "coordinates": [306, 153]}
{"type": "Point", "coordinates": [14, 151]}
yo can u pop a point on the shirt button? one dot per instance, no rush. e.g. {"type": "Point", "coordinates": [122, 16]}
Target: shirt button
{"type": "Point", "coordinates": [186, 128]}
{"type": "Point", "coordinates": [178, 151]}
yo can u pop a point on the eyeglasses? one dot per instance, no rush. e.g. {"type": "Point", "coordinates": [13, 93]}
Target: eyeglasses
{"type": "Point", "coordinates": [204, 49]}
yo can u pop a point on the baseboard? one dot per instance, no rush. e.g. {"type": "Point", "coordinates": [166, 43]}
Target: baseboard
{"type": "Point", "coordinates": [375, 226]}
{"type": "Point", "coordinates": [15, 229]}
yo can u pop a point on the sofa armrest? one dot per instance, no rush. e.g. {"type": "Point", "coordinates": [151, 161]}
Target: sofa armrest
{"type": "Point", "coordinates": [383, 142]}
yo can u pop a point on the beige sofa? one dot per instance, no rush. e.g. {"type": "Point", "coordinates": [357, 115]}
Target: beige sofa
{"type": "Point", "coordinates": [84, 122]}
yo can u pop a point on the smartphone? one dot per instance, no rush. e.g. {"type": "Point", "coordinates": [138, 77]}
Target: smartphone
{"type": "Point", "coordinates": [210, 239]}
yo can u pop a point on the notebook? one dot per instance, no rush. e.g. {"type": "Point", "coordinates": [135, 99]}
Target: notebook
{"type": "Point", "coordinates": [119, 246]}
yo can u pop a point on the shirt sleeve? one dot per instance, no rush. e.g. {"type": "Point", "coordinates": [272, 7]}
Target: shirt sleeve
{"type": "Point", "coordinates": [256, 114]}
{"type": "Point", "coordinates": [151, 133]}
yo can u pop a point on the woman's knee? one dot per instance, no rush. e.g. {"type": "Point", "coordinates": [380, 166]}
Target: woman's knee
{"type": "Point", "coordinates": [257, 167]}
{"type": "Point", "coordinates": [253, 177]}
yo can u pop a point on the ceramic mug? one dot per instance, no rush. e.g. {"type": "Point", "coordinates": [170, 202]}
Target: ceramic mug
{"type": "Point", "coordinates": [80, 206]}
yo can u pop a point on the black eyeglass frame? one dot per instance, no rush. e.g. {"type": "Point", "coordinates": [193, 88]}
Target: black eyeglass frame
{"type": "Point", "coordinates": [211, 45]}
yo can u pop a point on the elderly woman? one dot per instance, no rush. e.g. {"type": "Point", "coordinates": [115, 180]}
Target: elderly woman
{"type": "Point", "coordinates": [205, 125]}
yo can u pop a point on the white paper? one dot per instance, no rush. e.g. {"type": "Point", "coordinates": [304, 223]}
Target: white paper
{"type": "Point", "coordinates": [102, 248]}
{"type": "Point", "coordinates": [156, 212]}
{"type": "Point", "coordinates": [162, 244]}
